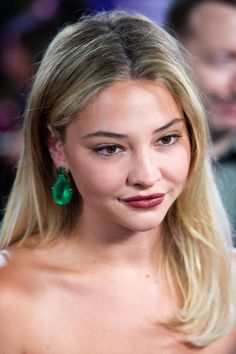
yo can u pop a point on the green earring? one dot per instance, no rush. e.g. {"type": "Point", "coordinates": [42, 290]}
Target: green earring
{"type": "Point", "coordinates": [61, 190]}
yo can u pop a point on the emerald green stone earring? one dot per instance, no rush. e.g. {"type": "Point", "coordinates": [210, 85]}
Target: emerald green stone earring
{"type": "Point", "coordinates": [61, 190]}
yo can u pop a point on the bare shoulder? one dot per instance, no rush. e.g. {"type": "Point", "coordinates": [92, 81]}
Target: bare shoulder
{"type": "Point", "coordinates": [23, 272]}
{"type": "Point", "coordinates": [22, 283]}
{"type": "Point", "coordinates": [13, 302]}
{"type": "Point", "coordinates": [30, 280]}
{"type": "Point", "coordinates": [14, 271]}
{"type": "Point", "coordinates": [12, 276]}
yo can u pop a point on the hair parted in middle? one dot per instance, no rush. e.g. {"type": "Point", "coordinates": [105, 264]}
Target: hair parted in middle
{"type": "Point", "coordinates": [83, 59]}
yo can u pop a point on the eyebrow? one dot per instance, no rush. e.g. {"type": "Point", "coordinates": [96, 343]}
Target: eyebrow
{"type": "Point", "coordinates": [101, 133]}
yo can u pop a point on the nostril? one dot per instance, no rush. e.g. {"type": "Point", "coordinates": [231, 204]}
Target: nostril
{"type": "Point", "coordinates": [143, 180]}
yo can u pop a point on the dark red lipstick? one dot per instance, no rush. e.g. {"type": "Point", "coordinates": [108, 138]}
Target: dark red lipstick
{"type": "Point", "coordinates": [144, 201]}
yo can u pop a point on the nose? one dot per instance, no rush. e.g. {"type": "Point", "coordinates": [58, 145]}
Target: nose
{"type": "Point", "coordinates": [144, 171]}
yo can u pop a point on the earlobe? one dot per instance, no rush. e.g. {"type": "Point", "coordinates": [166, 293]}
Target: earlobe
{"type": "Point", "coordinates": [56, 148]}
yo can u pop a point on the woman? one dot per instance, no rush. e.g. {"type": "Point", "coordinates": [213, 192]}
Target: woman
{"type": "Point", "coordinates": [130, 251]}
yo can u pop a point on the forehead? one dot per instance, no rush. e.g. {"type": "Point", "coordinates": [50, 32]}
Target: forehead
{"type": "Point", "coordinates": [127, 103]}
{"type": "Point", "coordinates": [215, 24]}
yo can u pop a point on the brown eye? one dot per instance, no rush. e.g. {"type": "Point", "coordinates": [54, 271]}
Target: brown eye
{"type": "Point", "coordinates": [111, 149]}
{"type": "Point", "coordinates": [166, 140]}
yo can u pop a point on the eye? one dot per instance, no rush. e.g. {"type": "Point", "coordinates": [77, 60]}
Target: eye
{"type": "Point", "coordinates": [168, 139]}
{"type": "Point", "coordinates": [222, 59]}
{"type": "Point", "coordinates": [109, 150]}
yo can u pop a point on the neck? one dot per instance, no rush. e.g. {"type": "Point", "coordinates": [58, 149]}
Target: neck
{"type": "Point", "coordinates": [116, 247]}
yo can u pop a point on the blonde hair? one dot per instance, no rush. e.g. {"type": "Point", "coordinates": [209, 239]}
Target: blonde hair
{"type": "Point", "coordinates": [84, 58]}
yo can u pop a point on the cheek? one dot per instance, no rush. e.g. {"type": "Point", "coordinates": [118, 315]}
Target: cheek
{"type": "Point", "coordinates": [96, 180]}
{"type": "Point", "coordinates": [177, 169]}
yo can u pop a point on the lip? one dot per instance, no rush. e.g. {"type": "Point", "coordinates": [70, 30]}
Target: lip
{"type": "Point", "coordinates": [144, 201]}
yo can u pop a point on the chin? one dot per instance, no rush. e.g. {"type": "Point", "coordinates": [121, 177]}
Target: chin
{"type": "Point", "coordinates": [142, 226]}
{"type": "Point", "coordinates": [146, 229]}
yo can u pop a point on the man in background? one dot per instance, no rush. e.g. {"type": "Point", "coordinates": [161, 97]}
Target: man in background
{"type": "Point", "coordinates": [207, 28]}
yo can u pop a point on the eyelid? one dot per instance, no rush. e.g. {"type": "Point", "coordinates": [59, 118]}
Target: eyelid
{"type": "Point", "coordinates": [172, 130]}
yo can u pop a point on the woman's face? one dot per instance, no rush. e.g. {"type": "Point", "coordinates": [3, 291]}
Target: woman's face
{"type": "Point", "coordinates": [129, 155]}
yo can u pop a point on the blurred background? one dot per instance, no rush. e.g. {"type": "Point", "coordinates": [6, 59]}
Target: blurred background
{"type": "Point", "coordinates": [26, 28]}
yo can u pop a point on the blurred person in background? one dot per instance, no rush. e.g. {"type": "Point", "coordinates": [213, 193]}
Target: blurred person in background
{"type": "Point", "coordinates": [23, 39]}
{"type": "Point", "coordinates": [207, 29]}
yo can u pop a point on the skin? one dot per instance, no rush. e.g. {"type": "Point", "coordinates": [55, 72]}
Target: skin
{"type": "Point", "coordinates": [141, 163]}
{"type": "Point", "coordinates": [212, 43]}
{"type": "Point", "coordinates": [101, 290]}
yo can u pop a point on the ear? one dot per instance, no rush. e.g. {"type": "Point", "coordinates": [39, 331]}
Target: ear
{"type": "Point", "coordinates": [56, 148]}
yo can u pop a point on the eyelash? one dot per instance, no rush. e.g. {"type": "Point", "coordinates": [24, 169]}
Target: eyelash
{"type": "Point", "coordinates": [103, 150]}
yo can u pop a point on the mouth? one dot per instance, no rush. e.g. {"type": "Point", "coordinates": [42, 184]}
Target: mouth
{"type": "Point", "coordinates": [144, 201]}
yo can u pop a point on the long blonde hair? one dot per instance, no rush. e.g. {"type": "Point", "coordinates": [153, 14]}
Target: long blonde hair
{"type": "Point", "coordinates": [82, 59]}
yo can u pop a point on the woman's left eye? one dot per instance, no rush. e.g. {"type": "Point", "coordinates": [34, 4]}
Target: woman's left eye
{"type": "Point", "coordinates": [168, 139]}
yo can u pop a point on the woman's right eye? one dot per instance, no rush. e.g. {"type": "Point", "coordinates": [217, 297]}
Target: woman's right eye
{"type": "Point", "coordinates": [108, 150]}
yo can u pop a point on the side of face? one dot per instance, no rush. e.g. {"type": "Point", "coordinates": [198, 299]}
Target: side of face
{"type": "Point", "coordinates": [129, 155]}
{"type": "Point", "coordinates": [213, 49]}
